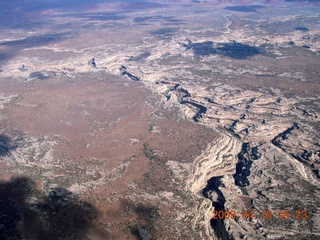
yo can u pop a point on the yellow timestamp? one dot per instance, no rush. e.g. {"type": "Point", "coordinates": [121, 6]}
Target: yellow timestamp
{"type": "Point", "coordinates": [265, 214]}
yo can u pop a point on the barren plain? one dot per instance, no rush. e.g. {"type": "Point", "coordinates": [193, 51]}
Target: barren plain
{"type": "Point", "coordinates": [142, 119]}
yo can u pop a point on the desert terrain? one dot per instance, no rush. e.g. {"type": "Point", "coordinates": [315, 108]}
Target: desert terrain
{"type": "Point", "coordinates": [148, 119]}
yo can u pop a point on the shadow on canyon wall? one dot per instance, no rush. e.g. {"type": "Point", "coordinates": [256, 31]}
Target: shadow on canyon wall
{"type": "Point", "coordinates": [212, 187]}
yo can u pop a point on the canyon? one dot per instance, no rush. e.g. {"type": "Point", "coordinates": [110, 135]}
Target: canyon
{"type": "Point", "coordinates": [143, 123]}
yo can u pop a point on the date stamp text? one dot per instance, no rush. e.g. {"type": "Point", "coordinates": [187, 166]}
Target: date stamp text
{"type": "Point", "coordinates": [267, 214]}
